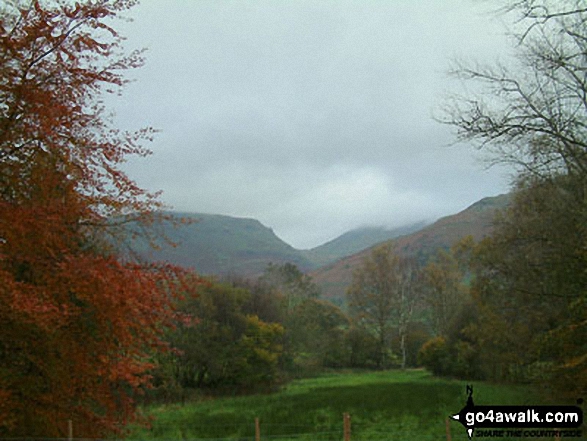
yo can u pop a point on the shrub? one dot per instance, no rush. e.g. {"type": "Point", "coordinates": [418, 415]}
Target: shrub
{"type": "Point", "coordinates": [435, 356]}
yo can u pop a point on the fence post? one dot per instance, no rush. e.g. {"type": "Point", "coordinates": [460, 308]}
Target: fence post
{"type": "Point", "coordinates": [70, 430]}
{"type": "Point", "coordinates": [448, 437]}
{"type": "Point", "coordinates": [257, 430]}
{"type": "Point", "coordinates": [346, 419]}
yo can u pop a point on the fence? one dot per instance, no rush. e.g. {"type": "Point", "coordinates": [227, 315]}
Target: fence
{"type": "Point", "coordinates": [345, 433]}
{"type": "Point", "coordinates": [256, 430]}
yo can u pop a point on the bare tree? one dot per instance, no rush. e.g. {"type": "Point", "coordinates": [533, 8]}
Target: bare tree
{"type": "Point", "coordinates": [532, 113]}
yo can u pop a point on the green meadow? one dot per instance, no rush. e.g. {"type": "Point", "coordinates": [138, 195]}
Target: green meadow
{"type": "Point", "coordinates": [388, 405]}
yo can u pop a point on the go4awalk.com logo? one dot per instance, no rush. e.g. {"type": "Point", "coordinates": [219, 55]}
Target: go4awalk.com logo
{"type": "Point", "coordinates": [519, 421]}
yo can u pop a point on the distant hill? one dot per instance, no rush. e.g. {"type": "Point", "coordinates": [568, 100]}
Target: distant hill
{"type": "Point", "coordinates": [354, 241]}
{"type": "Point", "coordinates": [219, 245]}
{"type": "Point", "coordinates": [476, 220]}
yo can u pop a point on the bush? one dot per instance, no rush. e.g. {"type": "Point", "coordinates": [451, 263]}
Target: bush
{"type": "Point", "coordinates": [435, 356]}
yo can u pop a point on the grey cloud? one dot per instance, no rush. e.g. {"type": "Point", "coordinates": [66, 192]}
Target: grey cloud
{"type": "Point", "coordinates": [313, 117]}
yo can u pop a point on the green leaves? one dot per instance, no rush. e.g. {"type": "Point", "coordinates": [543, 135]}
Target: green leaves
{"type": "Point", "coordinates": [225, 348]}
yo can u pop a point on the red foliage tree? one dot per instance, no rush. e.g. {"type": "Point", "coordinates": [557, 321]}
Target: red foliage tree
{"type": "Point", "coordinates": [77, 324]}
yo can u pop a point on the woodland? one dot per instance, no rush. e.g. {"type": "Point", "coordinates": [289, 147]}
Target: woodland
{"type": "Point", "coordinates": [88, 334]}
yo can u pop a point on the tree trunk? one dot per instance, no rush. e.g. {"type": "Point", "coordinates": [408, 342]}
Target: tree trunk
{"type": "Point", "coordinates": [403, 347]}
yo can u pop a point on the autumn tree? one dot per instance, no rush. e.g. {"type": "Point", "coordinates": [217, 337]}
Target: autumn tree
{"type": "Point", "coordinates": [292, 283]}
{"type": "Point", "coordinates": [532, 113]}
{"type": "Point", "coordinates": [77, 325]}
{"type": "Point", "coordinates": [443, 290]}
{"type": "Point", "coordinates": [452, 314]}
{"type": "Point", "coordinates": [530, 285]}
{"type": "Point", "coordinates": [315, 330]}
{"type": "Point", "coordinates": [382, 295]}
{"type": "Point", "coordinates": [263, 301]}
{"type": "Point", "coordinates": [288, 283]}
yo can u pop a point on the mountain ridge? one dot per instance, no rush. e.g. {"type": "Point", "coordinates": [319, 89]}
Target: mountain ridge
{"type": "Point", "coordinates": [227, 245]}
{"type": "Point", "coordinates": [217, 244]}
{"type": "Point", "coordinates": [355, 240]}
{"type": "Point", "coordinates": [476, 220]}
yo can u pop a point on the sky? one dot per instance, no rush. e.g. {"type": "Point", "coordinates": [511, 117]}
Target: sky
{"type": "Point", "coordinates": [314, 117]}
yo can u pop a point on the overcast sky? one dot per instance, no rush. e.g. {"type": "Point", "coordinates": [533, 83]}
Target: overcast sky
{"type": "Point", "coordinates": [314, 117]}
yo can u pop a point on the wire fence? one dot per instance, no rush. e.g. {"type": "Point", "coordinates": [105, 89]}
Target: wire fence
{"type": "Point", "coordinates": [273, 432]}
{"type": "Point", "coordinates": [255, 431]}
{"type": "Point", "coordinates": [447, 430]}
{"type": "Point", "coordinates": [345, 431]}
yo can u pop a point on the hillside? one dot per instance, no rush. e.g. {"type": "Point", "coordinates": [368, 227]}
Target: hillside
{"type": "Point", "coordinates": [217, 244]}
{"type": "Point", "coordinates": [476, 220]}
{"type": "Point", "coordinates": [354, 241]}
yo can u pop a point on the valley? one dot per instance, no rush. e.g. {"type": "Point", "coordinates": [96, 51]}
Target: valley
{"type": "Point", "coordinates": [223, 245]}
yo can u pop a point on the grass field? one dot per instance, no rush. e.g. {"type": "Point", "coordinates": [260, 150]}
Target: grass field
{"type": "Point", "coordinates": [390, 405]}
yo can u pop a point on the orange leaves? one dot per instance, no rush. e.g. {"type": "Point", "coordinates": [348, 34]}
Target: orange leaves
{"type": "Point", "coordinates": [85, 328]}
{"type": "Point", "coordinates": [78, 327]}
{"type": "Point", "coordinates": [55, 62]}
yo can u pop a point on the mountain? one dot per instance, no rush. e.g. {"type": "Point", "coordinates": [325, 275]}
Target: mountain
{"type": "Point", "coordinates": [220, 245]}
{"type": "Point", "coordinates": [354, 241]}
{"type": "Point", "coordinates": [476, 220]}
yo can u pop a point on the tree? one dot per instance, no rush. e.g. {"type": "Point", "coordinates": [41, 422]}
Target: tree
{"type": "Point", "coordinates": [530, 280]}
{"type": "Point", "coordinates": [317, 331]}
{"type": "Point", "coordinates": [264, 301]}
{"type": "Point", "coordinates": [410, 292]}
{"type": "Point", "coordinates": [382, 295]}
{"type": "Point", "coordinates": [294, 285]}
{"type": "Point", "coordinates": [77, 325]}
{"type": "Point", "coordinates": [443, 291]}
{"type": "Point", "coordinates": [434, 356]}
{"type": "Point", "coordinates": [221, 347]}
{"type": "Point", "coordinates": [532, 114]}
{"type": "Point", "coordinates": [529, 283]}
{"type": "Point", "coordinates": [363, 347]}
